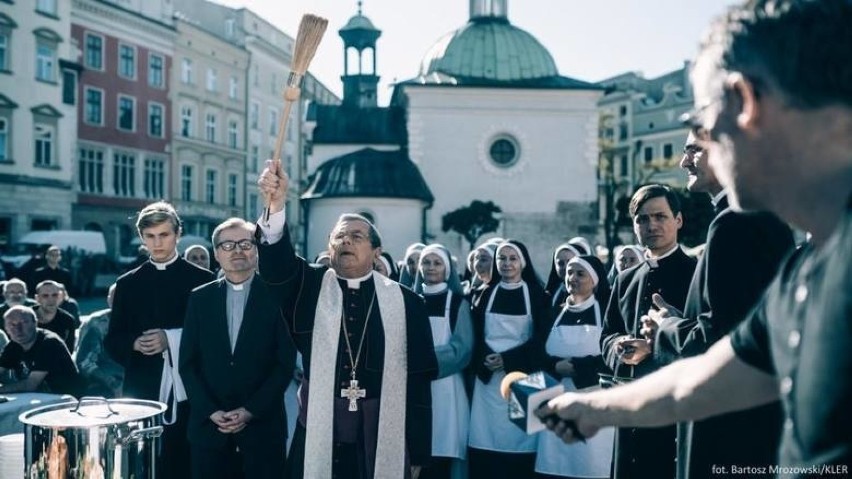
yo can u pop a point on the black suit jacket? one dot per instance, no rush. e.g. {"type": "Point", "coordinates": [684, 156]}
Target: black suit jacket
{"type": "Point", "coordinates": [742, 255]}
{"type": "Point", "coordinates": [254, 376]}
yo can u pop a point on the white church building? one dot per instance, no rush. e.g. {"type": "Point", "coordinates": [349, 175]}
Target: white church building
{"type": "Point", "coordinates": [488, 117]}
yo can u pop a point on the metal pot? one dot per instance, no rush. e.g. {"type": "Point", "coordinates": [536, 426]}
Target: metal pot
{"type": "Point", "coordinates": [93, 438]}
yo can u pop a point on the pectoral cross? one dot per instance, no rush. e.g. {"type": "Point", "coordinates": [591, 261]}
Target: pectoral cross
{"type": "Point", "coordinates": [353, 394]}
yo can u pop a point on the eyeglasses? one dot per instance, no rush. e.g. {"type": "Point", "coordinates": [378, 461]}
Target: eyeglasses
{"type": "Point", "coordinates": [696, 118]}
{"type": "Point", "coordinates": [229, 245]}
{"type": "Point", "coordinates": [354, 236]}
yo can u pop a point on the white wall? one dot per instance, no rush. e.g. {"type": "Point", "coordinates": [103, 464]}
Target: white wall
{"type": "Point", "coordinates": [451, 130]}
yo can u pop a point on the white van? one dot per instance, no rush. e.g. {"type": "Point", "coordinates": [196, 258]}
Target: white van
{"type": "Point", "coordinates": [90, 242]}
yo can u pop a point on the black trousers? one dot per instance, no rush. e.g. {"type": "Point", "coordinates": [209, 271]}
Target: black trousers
{"type": "Point", "coordinates": [260, 461]}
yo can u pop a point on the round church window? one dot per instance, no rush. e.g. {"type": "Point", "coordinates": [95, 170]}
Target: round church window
{"type": "Point", "coordinates": [504, 152]}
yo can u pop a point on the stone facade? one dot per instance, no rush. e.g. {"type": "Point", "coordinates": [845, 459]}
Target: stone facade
{"type": "Point", "coordinates": [38, 127]}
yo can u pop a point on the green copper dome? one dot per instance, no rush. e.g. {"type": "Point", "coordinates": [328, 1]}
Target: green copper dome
{"type": "Point", "coordinates": [489, 48]}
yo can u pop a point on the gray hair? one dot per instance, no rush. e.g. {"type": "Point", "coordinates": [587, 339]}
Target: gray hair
{"type": "Point", "coordinates": [231, 223]}
{"type": "Point", "coordinates": [25, 310]}
{"type": "Point", "coordinates": [18, 281]}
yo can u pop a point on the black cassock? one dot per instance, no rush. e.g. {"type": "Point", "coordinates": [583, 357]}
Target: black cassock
{"type": "Point", "coordinates": [643, 452]}
{"type": "Point", "coordinates": [742, 255]}
{"type": "Point", "coordinates": [298, 284]}
{"type": "Point", "coordinates": [148, 298]}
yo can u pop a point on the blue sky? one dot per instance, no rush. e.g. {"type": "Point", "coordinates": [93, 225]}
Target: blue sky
{"type": "Point", "coordinates": [590, 39]}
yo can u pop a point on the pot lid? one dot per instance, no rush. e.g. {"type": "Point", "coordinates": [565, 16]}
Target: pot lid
{"type": "Point", "coordinates": [89, 412]}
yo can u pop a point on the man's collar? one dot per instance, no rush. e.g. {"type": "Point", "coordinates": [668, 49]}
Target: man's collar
{"type": "Point", "coordinates": [653, 262]}
{"type": "Point", "coordinates": [162, 266]}
{"type": "Point", "coordinates": [355, 283]}
{"type": "Point", "coordinates": [718, 199]}
{"type": "Point", "coordinates": [240, 286]}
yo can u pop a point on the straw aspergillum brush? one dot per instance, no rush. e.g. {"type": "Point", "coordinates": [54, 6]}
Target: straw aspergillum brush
{"type": "Point", "coordinates": [311, 30]}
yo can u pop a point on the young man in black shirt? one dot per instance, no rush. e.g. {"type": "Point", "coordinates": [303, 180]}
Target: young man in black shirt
{"type": "Point", "coordinates": [37, 358]}
{"type": "Point", "coordinates": [772, 90]}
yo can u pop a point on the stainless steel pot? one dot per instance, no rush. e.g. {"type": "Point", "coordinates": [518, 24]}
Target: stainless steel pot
{"type": "Point", "coordinates": [93, 438]}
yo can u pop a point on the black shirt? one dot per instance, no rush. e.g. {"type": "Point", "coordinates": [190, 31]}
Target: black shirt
{"type": "Point", "coordinates": [47, 354]}
{"type": "Point", "coordinates": [63, 325]}
{"type": "Point", "coordinates": [58, 274]}
{"type": "Point", "coordinates": [802, 333]}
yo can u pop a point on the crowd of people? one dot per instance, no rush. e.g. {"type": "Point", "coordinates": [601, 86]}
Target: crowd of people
{"type": "Point", "coordinates": [733, 362]}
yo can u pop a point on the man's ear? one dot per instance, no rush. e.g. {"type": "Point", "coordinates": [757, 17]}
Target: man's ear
{"type": "Point", "coordinates": [748, 117]}
{"type": "Point", "coordinates": [679, 220]}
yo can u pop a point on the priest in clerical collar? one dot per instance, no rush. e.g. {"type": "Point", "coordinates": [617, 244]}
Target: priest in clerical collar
{"type": "Point", "coordinates": [667, 271]}
{"type": "Point", "coordinates": [146, 325]}
{"type": "Point", "coordinates": [370, 339]}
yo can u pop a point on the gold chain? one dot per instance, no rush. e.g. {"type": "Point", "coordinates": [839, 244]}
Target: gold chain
{"type": "Point", "coordinates": [354, 362]}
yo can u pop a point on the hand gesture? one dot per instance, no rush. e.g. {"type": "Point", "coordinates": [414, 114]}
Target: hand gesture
{"type": "Point", "coordinates": [649, 327]}
{"type": "Point", "coordinates": [494, 362]}
{"type": "Point", "coordinates": [664, 310]}
{"type": "Point", "coordinates": [234, 421]}
{"type": "Point", "coordinates": [152, 341]}
{"type": "Point", "coordinates": [632, 350]}
{"type": "Point", "coordinates": [273, 183]}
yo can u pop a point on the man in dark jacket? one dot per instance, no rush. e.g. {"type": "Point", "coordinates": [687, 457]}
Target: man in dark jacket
{"type": "Point", "coordinates": [742, 255]}
{"type": "Point", "coordinates": [236, 358]}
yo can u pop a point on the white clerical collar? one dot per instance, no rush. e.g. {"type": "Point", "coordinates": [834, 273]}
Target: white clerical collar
{"type": "Point", "coordinates": [434, 288]}
{"type": "Point", "coordinates": [355, 283]}
{"type": "Point", "coordinates": [716, 199]}
{"type": "Point", "coordinates": [240, 286]}
{"type": "Point", "coordinates": [164, 265]}
{"type": "Point", "coordinates": [576, 308]}
{"type": "Point", "coordinates": [653, 261]}
{"type": "Point", "coordinates": [506, 285]}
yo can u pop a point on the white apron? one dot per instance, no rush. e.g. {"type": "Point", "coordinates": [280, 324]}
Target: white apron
{"type": "Point", "coordinates": [450, 409]}
{"type": "Point", "coordinates": [592, 458]}
{"type": "Point", "coordinates": [490, 428]}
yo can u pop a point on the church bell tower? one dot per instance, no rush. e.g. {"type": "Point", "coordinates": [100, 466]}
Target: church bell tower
{"type": "Point", "coordinates": [360, 81]}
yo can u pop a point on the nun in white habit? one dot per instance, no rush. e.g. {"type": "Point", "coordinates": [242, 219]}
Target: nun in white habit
{"type": "Point", "coordinates": [510, 322]}
{"type": "Point", "coordinates": [574, 355]}
{"type": "Point", "coordinates": [452, 334]}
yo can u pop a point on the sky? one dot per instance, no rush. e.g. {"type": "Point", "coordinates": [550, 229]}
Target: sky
{"type": "Point", "coordinates": [589, 39]}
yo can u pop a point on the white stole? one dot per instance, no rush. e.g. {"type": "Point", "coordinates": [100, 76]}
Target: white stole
{"type": "Point", "coordinates": [390, 450]}
{"type": "Point", "coordinates": [170, 381]}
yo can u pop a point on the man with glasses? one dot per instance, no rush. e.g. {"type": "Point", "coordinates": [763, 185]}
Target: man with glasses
{"type": "Point", "coordinates": [366, 345]}
{"type": "Point", "coordinates": [144, 330]}
{"type": "Point", "coordinates": [236, 359]}
{"type": "Point", "coordinates": [775, 75]}
{"type": "Point", "coordinates": [741, 256]}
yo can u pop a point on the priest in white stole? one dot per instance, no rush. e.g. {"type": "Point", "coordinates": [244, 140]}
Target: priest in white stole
{"type": "Point", "coordinates": [366, 406]}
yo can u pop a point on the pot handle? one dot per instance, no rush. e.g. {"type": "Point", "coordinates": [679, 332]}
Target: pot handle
{"type": "Point", "coordinates": [94, 398]}
{"type": "Point", "coordinates": [140, 434]}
